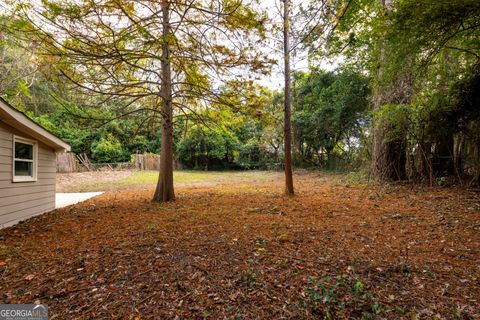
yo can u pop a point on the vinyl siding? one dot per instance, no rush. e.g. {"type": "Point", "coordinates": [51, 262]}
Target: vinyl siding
{"type": "Point", "coordinates": [22, 200]}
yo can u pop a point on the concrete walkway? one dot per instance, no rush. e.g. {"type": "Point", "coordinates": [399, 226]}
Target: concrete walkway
{"type": "Point", "coordinates": [67, 199]}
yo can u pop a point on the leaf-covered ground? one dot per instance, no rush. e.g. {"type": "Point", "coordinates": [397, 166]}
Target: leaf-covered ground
{"type": "Point", "coordinates": [242, 250]}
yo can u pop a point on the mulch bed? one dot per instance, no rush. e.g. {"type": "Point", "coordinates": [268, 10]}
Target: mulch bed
{"type": "Point", "coordinates": [334, 251]}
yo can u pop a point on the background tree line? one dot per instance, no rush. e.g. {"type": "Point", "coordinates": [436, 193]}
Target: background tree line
{"type": "Point", "coordinates": [249, 136]}
{"type": "Point", "coordinates": [402, 104]}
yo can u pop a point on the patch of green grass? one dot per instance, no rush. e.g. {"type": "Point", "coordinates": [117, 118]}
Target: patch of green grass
{"type": "Point", "coordinates": [139, 179]}
{"type": "Point", "coordinates": [190, 176]}
{"type": "Point", "coordinates": [151, 177]}
{"type": "Point", "coordinates": [358, 177]}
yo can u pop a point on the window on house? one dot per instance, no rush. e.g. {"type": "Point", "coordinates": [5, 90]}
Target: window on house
{"type": "Point", "coordinates": [25, 160]}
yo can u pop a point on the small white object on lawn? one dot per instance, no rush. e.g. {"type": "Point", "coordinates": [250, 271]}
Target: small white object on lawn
{"type": "Point", "coordinates": [67, 199]}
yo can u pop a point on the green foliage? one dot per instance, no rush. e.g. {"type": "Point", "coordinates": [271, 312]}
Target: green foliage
{"type": "Point", "coordinates": [250, 155]}
{"type": "Point", "coordinates": [231, 137]}
{"type": "Point", "coordinates": [143, 144]}
{"type": "Point", "coordinates": [396, 117]}
{"type": "Point", "coordinates": [330, 108]}
{"type": "Point", "coordinates": [424, 29]}
{"type": "Point", "coordinates": [108, 150]}
{"type": "Point", "coordinates": [357, 177]}
{"type": "Point", "coordinates": [17, 67]}
{"type": "Point", "coordinates": [203, 147]}
{"type": "Point", "coordinates": [465, 99]}
{"type": "Point", "coordinates": [419, 59]}
{"type": "Point", "coordinates": [441, 181]}
{"type": "Point", "coordinates": [423, 57]}
{"type": "Point", "coordinates": [343, 296]}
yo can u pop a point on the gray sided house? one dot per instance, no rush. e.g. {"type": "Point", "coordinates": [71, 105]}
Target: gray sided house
{"type": "Point", "coordinates": [27, 166]}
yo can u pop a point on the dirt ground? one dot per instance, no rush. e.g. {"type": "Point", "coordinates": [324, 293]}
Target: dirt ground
{"type": "Point", "coordinates": [336, 250]}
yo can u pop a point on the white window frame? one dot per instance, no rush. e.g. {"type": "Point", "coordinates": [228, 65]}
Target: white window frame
{"type": "Point", "coordinates": [34, 161]}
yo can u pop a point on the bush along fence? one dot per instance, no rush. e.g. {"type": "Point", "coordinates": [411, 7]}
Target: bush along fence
{"type": "Point", "coordinates": [68, 162]}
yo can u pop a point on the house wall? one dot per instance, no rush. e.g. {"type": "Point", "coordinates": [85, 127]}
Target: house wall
{"type": "Point", "coordinates": [21, 200]}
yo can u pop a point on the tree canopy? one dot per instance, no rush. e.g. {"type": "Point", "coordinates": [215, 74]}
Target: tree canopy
{"type": "Point", "coordinates": [179, 78]}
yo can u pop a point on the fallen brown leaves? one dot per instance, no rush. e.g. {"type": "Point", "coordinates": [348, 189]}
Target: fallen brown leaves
{"type": "Point", "coordinates": [248, 252]}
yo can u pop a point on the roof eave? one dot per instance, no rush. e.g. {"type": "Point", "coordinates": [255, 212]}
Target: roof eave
{"type": "Point", "coordinates": [21, 122]}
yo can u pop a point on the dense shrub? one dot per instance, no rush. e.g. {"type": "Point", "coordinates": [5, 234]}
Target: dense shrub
{"type": "Point", "coordinates": [205, 148]}
{"type": "Point", "coordinates": [108, 150]}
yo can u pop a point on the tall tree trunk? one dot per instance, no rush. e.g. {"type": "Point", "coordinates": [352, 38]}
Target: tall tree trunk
{"type": "Point", "coordinates": [458, 140]}
{"type": "Point", "coordinates": [389, 159]}
{"type": "Point", "coordinates": [388, 156]}
{"type": "Point", "coordinates": [164, 190]}
{"type": "Point", "coordinates": [287, 112]}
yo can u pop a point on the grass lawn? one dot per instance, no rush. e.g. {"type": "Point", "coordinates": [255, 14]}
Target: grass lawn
{"type": "Point", "coordinates": [116, 180]}
{"type": "Point", "coordinates": [232, 246]}
{"type": "Point", "coordinates": [186, 177]}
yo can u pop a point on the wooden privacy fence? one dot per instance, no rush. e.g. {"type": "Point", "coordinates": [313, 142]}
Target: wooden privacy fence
{"type": "Point", "coordinates": [66, 162]}
{"type": "Point", "coordinates": [152, 162]}
{"type": "Point", "coordinates": [147, 161]}
{"type": "Point", "coordinates": [69, 162]}
{"type": "Point", "coordinates": [87, 165]}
